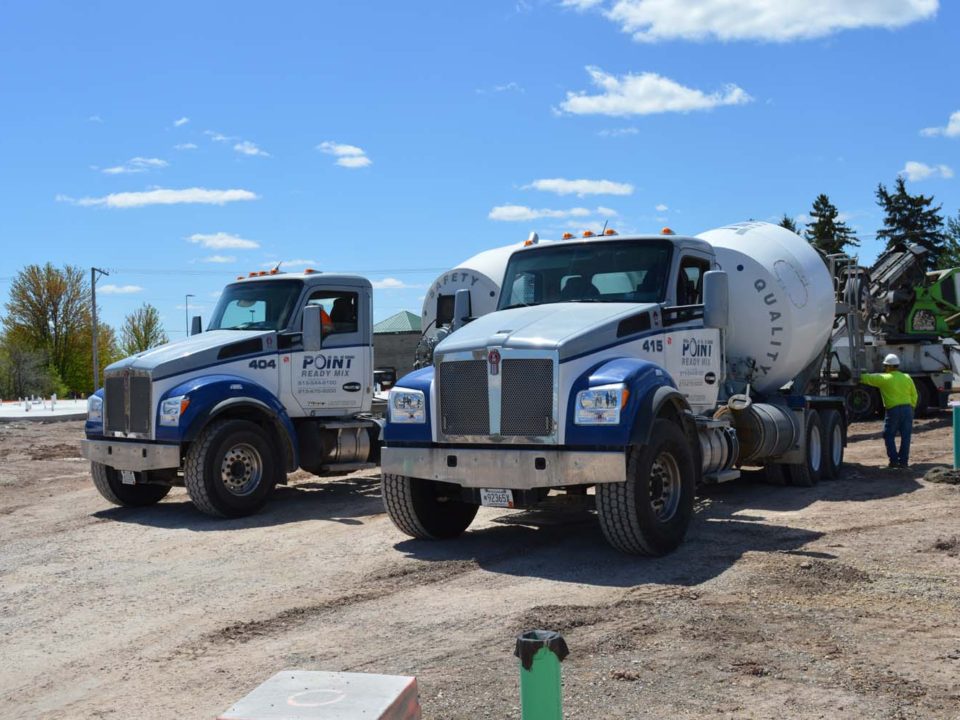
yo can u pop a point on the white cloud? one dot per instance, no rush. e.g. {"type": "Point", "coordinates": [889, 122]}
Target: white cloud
{"type": "Point", "coordinates": [95, 119]}
{"type": "Point", "coordinates": [646, 94]}
{"type": "Point", "coordinates": [521, 213]}
{"type": "Point", "coordinates": [248, 148]}
{"type": "Point", "coordinates": [606, 212]}
{"type": "Point", "coordinates": [185, 146]}
{"type": "Point", "coordinates": [180, 122]}
{"type": "Point", "coordinates": [661, 208]}
{"type": "Point", "coordinates": [217, 136]}
{"type": "Point", "coordinates": [916, 171]}
{"type": "Point", "coordinates": [560, 186]}
{"type": "Point", "coordinates": [348, 156]}
{"type": "Point", "coordinates": [765, 20]}
{"type": "Point", "coordinates": [952, 128]}
{"type": "Point", "coordinates": [506, 87]}
{"type": "Point", "coordinates": [219, 259]}
{"type": "Point", "coordinates": [390, 283]}
{"type": "Point", "coordinates": [162, 196]}
{"type": "Point", "coordinates": [222, 241]}
{"type": "Point", "coordinates": [618, 132]}
{"type": "Point", "coordinates": [118, 289]}
{"type": "Point", "coordinates": [354, 161]}
{"type": "Point", "coordinates": [136, 165]}
{"type": "Point", "coordinates": [581, 4]}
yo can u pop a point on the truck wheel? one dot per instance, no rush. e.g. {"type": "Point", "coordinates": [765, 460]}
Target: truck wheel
{"type": "Point", "coordinates": [924, 396]}
{"type": "Point", "coordinates": [107, 481]}
{"type": "Point", "coordinates": [863, 403]}
{"type": "Point", "coordinates": [808, 472]}
{"type": "Point", "coordinates": [834, 436]}
{"type": "Point", "coordinates": [426, 509]}
{"type": "Point", "coordinates": [231, 468]}
{"type": "Point", "coordinates": [649, 513]}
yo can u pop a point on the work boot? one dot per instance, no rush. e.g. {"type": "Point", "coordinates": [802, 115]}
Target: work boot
{"type": "Point", "coordinates": [893, 465]}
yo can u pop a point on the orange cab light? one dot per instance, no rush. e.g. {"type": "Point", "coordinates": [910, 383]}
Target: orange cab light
{"type": "Point", "coordinates": [274, 271]}
{"type": "Point", "coordinates": [253, 274]}
{"type": "Point", "coordinates": [567, 235]}
{"type": "Point", "coordinates": [239, 277]}
{"type": "Point", "coordinates": [609, 231]}
{"type": "Point", "coordinates": [262, 273]}
{"type": "Point", "coordinates": [309, 271]}
{"type": "Point", "coordinates": [588, 233]}
{"type": "Point", "coordinates": [667, 231]}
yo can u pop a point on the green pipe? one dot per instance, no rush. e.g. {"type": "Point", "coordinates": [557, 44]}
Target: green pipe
{"type": "Point", "coordinates": [540, 653]}
{"type": "Point", "coordinates": [956, 437]}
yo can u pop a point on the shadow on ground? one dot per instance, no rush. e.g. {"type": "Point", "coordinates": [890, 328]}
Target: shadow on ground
{"type": "Point", "coordinates": [342, 500]}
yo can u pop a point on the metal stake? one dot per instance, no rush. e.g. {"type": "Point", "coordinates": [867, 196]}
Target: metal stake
{"type": "Point", "coordinates": [540, 653]}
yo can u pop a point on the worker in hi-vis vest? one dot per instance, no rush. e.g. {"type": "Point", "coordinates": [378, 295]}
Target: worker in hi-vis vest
{"type": "Point", "coordinates": [899, 398]}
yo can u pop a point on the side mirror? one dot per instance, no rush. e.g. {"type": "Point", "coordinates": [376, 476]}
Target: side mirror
{"type": "Point", "coordinates": [196, 325]}
{"type": "Point", "coordinates": [716, 300]}
{"type": "Point", "coordinates": [312, 328]}
{"type": "Point", "coordinates": [461, 308]}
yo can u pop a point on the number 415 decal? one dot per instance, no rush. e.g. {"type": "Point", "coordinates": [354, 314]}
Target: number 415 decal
{"type": "Point", "coordinates": [652, 346]}
{"type": "Point", "coordinates": [262, 364]}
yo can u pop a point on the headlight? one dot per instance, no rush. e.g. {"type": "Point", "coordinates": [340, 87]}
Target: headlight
{"type": "Point", "coordinates": [172, 408]}
{"type": "Point", "coordinates": [95, 408]}
{"type": "Point", "coordinates": [407, 406]}
{"type": "Point", "coordinates": [601, 405]}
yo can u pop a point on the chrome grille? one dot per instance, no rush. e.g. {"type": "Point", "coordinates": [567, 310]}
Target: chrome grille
{"type": "Point", "coordinates": [464, 402]}
{"type": "Point", "coordinates": [127, 406]}
{"type": "Point", "coordinates": [526, 400]}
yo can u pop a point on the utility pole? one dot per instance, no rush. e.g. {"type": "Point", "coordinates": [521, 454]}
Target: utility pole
{"type": "Point", "coordinates": [94, 274]}
{"type": "Point", "coordinates": [186, 313]}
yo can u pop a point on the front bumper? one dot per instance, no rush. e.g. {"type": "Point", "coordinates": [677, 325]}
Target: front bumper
{"type": "Point", "coordinates": [131, 455]}
{"type": "Point", "coordinates": [505, 467]}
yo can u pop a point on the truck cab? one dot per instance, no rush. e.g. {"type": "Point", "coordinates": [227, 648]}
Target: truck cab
{"type": "Point", "coordinates": [281, 379]}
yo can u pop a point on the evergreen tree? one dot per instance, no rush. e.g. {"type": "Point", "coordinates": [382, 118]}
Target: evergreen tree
{"type": "Point", "coordinates": [788, 222]}
{"type": "Point", "coordinates": [911, 219]}
{"type": "Point", "coordinates": [825, 232]}
{"type": "Point", "coordinates": [950, 255]}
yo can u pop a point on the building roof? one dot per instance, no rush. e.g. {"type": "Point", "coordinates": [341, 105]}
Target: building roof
{"type": "Point", "coordinates": [403, 321]}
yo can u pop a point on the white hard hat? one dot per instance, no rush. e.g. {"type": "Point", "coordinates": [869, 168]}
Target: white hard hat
{"type": "Point", "coordinates": [892, 360]}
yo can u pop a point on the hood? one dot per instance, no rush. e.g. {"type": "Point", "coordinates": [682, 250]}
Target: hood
{"type": "Point", "coordinates": [570, 328]}
{"type": "Point", "coordinates": [207, 348]}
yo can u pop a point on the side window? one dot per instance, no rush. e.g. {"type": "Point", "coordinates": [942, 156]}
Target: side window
{"type": "Point", "coordinates": [338, 311]}
{"type": "Point", "coordinates": [690, 281]}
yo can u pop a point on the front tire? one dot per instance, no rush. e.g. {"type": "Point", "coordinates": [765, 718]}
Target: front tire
{"type": "Point", "coordinates": [231, 469]}
{"type": "Point", "coordinates": [649, 513]}
{"type": "Point", "coordinates": [108, 482]}
{"type": "Point", "coordinates": [834, 437]}
{"type": "Point", "coordinates": [426, 509]}
{"type": "Point", "coordinates": [809, 472]}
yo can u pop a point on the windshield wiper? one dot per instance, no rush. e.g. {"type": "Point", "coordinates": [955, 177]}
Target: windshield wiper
{"type": "Point", "coordinates": [517, 305]}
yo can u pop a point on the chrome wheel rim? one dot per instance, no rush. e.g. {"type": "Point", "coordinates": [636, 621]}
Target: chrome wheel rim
{"type": "Point", "coordinates": [814, 449]}
{"type": "Point", "coordinates": [664, 486]}
{"type": "Point", "coordinates": [241, 469]}
{"type": "Point", "coordinates": [836, 445]}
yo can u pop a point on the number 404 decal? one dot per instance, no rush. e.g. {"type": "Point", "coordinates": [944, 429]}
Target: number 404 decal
{"type": "Point", "coordinates": [652, 346]}
{"type": "Point", "coordinates": [262, 364]}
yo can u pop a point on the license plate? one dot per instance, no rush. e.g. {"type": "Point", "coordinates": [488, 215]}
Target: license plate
{"type": "Point", "coordinates": [127, 477]}
{"type": "Point", "coordinates": [496, 498]}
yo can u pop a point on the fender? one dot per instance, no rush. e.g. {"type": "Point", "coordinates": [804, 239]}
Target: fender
{"type": "Point", "coordinates": [421, 380]}
{"type": "Point", "coordinates": [213, 395]}
{"type": "Point", "coordinates": [650, 388]}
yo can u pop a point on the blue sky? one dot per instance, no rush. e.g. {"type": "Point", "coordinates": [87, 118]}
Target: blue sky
{"type": "Point", "coordinates": [180, 144]}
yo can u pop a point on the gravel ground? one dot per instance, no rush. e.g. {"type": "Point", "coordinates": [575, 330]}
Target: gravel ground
{"type": "Point", "coordinates": [841, 600]}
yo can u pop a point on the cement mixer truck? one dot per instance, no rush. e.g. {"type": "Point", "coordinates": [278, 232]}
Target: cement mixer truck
{"type": "Point", "coordinates": [637, 366]}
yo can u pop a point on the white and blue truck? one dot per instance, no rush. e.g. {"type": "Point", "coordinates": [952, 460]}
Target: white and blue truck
{"type": "Point", "coordinates": [281, 379]}
{"type": "Point", "coordinates": [636, 366]}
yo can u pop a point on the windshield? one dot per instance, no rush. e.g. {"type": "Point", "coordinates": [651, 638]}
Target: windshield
{"type": "Point", "coordinates": [629, 271]}
{"type": "Point", "coordinates": [260, 305]}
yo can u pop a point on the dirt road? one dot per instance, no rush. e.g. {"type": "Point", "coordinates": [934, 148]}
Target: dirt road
{"type": "Point", "coordinates": [841, 600]}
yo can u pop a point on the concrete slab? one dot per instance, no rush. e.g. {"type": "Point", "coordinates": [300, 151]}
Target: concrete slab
{"type": "Point", "coordinates": [316, 695]}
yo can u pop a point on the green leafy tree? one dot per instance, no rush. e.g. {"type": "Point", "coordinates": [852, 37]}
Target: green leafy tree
{"type": "Point", "coordinates": [911, 219]}
{"type": "Point", "coordinates": [142, 330]}
{"type": "Point", "coordinates": [950, 254]}
{"type": "Point", "coordinates": [789, 223]}
{"type": "Point", "coordinates": [22, 370]}
{"type": "Point", "coordinates": [826, 231]}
